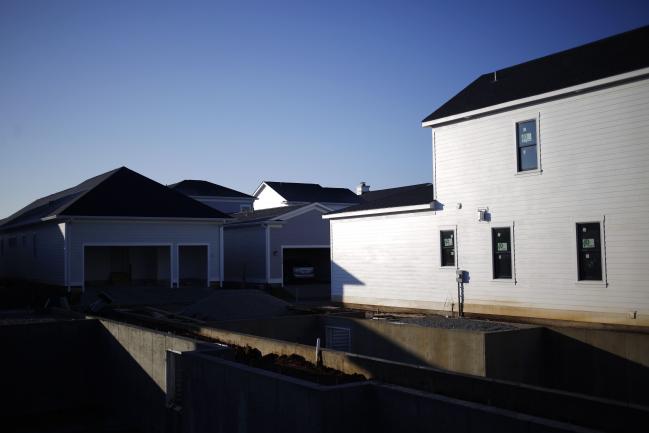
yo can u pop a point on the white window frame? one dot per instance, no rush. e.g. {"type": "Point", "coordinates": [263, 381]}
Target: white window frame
{"type": "Point", "coordinates": [520, 119]}
{"type": "Point", "coordinates": [441, 229]}
{"type": "Point", "coordinates": [503, 225]}
{"type": "Point", "coordinates": [601, 220]}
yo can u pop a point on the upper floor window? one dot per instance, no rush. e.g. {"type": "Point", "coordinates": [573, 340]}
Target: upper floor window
{"type": "Point", "coordinates": [526, 145]}
{"type": "Point", "coordinates": [501, 252]}
{"type": "Point", "coordinates": [447, 246]}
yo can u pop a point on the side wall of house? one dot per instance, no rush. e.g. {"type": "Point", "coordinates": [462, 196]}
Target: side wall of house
{"type": "Point", "coordinates": [303, 230]}
{"type": "Point", "coordinates": [35, 254]}
{"type": "Point", "coordinates": [124, 233]}
{"type": "Point", "coordinates": [594, 153]}
{"type": "Point", "coordinates": [245, 253]}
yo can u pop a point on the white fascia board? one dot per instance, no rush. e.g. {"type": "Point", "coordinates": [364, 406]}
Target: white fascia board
{"type": "Point", "coordinates": [143, 219]}
{"type": "Point", "coordinates": [386, 210]}
{"type": "Point", "coordinates": [258, 190]}
{"type": "Point", "coordinates": [567, 91]}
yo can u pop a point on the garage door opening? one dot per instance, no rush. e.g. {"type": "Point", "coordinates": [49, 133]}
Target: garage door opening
{"type": "Point", "coordinates": [306, 265]}
{"type": "Point", "coordinates": [192, 266]}
{"type": "Point", "coordinates": [127, 266]}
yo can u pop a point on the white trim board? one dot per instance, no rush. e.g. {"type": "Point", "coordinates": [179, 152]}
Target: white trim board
{"type": "Point", "coordinates": [419, 207]}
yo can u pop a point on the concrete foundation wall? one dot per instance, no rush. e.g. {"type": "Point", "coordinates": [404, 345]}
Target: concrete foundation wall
{"type": "Point", "coordinates": [223, 396]}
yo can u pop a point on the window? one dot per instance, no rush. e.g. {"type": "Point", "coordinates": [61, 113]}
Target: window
{"type": "Point", "coordinates": [526, 143]}
{"type": "Point", "coordinates": [589, 252]}
{"type": "Point", "coordinates": [447, 246]}
{"type": "Point", "coordinates": [502, 252]}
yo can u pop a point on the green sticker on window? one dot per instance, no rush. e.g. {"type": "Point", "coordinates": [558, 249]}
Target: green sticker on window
{"type": "Point", "coordinates": [501, 246]}
{"type": "Point", "coordinates": [448, 242]}
{"type": "Point", "coordinates": [588, 243]}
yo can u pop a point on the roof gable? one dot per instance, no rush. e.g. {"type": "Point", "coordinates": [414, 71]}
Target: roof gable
{"type": "Point", "coordinates": [311, 192]}
{"type": "Point", "coordinates": [117, 193]}
{"type": "Point", "coordinates": [412, 195]}
{"type": "Point", "coordinates": [604, 58]}
{"type": "Point", "coordinates": [203, 188]}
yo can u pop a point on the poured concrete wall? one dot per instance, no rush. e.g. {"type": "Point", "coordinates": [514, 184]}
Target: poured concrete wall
{"type": "Point", "coordinates": [223, 396]}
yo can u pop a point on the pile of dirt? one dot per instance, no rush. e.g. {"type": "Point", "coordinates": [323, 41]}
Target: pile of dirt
{"type": "Point", "coordinates": [294, 366]}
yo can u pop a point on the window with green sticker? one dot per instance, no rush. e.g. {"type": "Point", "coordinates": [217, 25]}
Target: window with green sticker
{"type": "Point", "coordinates": [589, 254]}
{"type": "Point", "coordinates": [501, 252]}
{"type": "Point", "coordinates": [526, 142]}
{"type": "Point", "coordinates": [447, 246]}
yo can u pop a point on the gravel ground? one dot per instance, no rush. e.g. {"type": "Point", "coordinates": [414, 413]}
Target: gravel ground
{"type": "Point", "coordinates": [449, 323]}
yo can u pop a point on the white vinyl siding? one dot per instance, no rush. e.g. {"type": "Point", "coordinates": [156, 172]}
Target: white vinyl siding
{"type": "Point", "coordinates": [142, 233]}
{"type": "Point", "coordinates": [44, 266]}
{"type": "Point", "coordinates": [594, 155]}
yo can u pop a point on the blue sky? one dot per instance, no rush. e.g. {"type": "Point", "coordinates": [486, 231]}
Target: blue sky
{"type": "Point", "coordinates": [238, 92]}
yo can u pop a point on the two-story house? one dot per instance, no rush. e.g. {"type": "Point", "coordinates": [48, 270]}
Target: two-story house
{"type": "Point", "coordinates": [541, 195]}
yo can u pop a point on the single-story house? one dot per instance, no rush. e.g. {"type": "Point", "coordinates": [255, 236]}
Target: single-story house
{"type": "Point", "coordinates": [276, 194]}
{"type": "Point", "coordinates": [116, 229]}
{"type": "Point", "coordinates": [263, 246]}
{"type": "Point", "coordinates": [216, 196]}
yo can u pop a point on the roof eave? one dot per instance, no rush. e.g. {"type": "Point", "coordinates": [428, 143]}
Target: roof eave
{"type": "Point", "coordinates": [567, 91]}
{"type": "Point", "coordinates": [382, 211]}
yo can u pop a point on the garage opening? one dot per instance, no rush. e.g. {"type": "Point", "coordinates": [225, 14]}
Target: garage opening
{"type": "Point", "coordinates": [192, 266]}
{"type": "Point", "coordinates": [127, 266]}
{"type": "Point", "coordinates": [306, 265]}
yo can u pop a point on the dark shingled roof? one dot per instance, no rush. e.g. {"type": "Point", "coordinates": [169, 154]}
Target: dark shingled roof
{"type": "Point", "coordinates": [411, 195]}
{"type": "Point", "coordinates": [203, 188]}
{"type": "Point", "coordinates": [269, 214]}
{"type": "Point", "coordinates": [312, 192]}
{"type": "Point", "coordinates": [117, 193]}
{"type": "Point", "coordinates": [614, 55]}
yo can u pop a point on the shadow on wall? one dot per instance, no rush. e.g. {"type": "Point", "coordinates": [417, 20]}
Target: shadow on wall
{"type": "Point", "coordinates": [345, 278]}
{"type": "Point", "coordinates": [607, 364]}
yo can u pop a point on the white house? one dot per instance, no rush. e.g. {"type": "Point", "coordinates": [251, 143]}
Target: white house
{"type": "Point", "coordinates": [116, 229]}
{"type": "Point", "coordinates": [263, 246]}
{"type": "Point", "coordinates": [215, 196]}
{"type": "Point", "coordinates": [541, 192]}
{"type": "Point", "coordinates": [277, 194]}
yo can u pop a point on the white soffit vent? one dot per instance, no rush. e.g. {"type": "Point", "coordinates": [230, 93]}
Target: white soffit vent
{"type": "Point", "coordinates": [338, 338]}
